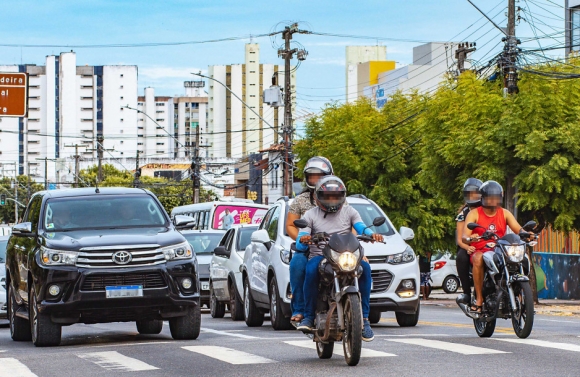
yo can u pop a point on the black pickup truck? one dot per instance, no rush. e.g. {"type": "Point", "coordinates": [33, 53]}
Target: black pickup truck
{"type": "Point", "coordinates": [100, 255]}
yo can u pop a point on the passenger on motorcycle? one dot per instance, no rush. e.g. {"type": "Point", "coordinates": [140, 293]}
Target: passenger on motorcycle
{"type": "Point", "coordinates": [315, 169]}
{"type": "Point", "coordinates": [494, 219]}
{"type": "Point", "coordinates": [472, 199]}
{"type": "Point", "coordinates": [332, 217]}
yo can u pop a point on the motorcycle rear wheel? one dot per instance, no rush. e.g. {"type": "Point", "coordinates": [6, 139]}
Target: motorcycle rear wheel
{"type": "Point", "coordinates": [324, 350]}
{"type": "Point", "coordinates": [523, 315]}
{"type": "Point", "coordinates": [352, 340]}
{"type": "Point", "coordinates": [484, 329]}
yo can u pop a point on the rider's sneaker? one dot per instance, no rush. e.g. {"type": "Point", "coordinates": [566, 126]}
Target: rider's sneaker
{"type": "Point", "coordinates": [306, 325]}
{"type": "Point", "coordinates": [367, 333]}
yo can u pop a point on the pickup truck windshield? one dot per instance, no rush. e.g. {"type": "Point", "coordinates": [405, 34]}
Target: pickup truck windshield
{"type": "Point", "coordinates": [98, 212]}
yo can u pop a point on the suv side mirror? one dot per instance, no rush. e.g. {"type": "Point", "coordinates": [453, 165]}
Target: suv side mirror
{"type": "Point", "coordinates": [22, 229]}
{"type": "Point", "coordinates": [221, 251]}
{"type": "Point", "coordinates": [407, 233]}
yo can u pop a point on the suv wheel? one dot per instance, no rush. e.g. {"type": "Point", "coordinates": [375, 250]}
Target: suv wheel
{"type": "Point", "coordinates": [188, 326]}
{"type": "Point", "coordinates": [253, 316]}
{"type": "Point", "coordinates": [217, 309]}
{"type": "Point", "coordinates": [236, 306]}
{"type": "Point", "coordinates": [279, 322]}
{"type": "Point", "coordinates": [19, 327]}
{"type": "Point", "coordinates": [44, 332]}
{"type": "Point", "coordinates": [408, 320]}
{"type": "Point", "coordinates": [150, 327]}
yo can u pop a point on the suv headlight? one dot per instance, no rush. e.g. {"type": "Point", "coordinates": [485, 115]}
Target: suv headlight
{"type": "Point", "coordinates": [52, 257]}
{"type": "Point", "coordinates": [515, 254]}
{"type": "Point", "coordinates": [405, 257]}
{"type": "Point", "coordinates": [285, 255]}
{"type": "Point", "coordinates": [180, 251]}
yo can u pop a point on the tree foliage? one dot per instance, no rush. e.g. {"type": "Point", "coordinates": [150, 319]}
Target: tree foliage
{"type": "Point", "coordinates": [25, 189]}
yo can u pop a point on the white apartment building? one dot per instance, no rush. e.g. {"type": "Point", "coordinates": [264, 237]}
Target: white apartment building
{"type": "Point", "coordinates": [356, 55]}
{"type": "Point", "coordinates": [233, 129]}
{"type": "Point", "coordinates": [70, 105]}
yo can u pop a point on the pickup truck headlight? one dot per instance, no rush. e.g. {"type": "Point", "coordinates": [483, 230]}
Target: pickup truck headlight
{"type": "Point", "coordinates": [180, 251]}
{"type": "Point", "coordinates": [406, 256]}
{"type": "Point", "coordinates": [52, 257]}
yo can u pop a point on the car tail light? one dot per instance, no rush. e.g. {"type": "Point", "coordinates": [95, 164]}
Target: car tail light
{"type": "Point", "coordinates": [439, 265]}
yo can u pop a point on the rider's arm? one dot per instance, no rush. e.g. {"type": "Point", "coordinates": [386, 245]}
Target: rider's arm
{"type": "Point", "coordinates": [299, 245]}
{"type": "Point", "coordinates": [459, 232]}
{"type": "Point", "coordinates": [360, 228]}
{"type": "Point", "coordinates": [290, 228]}
{"type": "Point", "coordinates": [512, 222]}
{"type": "Point", "coordinates": [471, 218]}
{"type": "Point", "coordinates": [304, 231]}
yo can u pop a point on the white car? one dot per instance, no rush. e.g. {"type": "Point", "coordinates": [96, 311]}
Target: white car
{"type": "Point", "coordinates": [3, 242]}
{"type": "Point", "coordinates": [225, 277]}
{"type": "Point", "coordinates": [265, 271]}
{"type": "Point", "coordinates": [444, 272]}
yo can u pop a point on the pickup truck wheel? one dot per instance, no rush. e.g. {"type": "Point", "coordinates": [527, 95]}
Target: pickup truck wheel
{"type": "Point", "coordinates": [279, 322]}
{"type": "Point", "coordinates": [150, 327]}
{"type": "Point", "coordinates": [217, 309]}
{"type": "Point", "coordinates": [44, 332]}
{"type": "Point", "coordinates": [252, 315]}
{"type": "Point", "coordinates": [188, 326]}
{"type": "Point", "coordinates": [19, 327]}
{"type": "Point", "coordinates": [236, 306]}
{"type": "Point", "coordinates": [408, 320]}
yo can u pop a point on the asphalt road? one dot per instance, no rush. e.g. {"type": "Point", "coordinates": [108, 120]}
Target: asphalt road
{"type": "Point", "coordinates": [443, 344]}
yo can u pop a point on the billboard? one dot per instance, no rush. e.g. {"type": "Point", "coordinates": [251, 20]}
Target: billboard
{"type": "Point", "coordinates": [241, 214]}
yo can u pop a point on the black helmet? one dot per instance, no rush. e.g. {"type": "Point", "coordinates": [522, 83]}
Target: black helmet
{"type": "Point", "coordinates": [330, 194]}
{"type": "Point", "coordinates": [317, 165]}
{"type": "Point", "coordinates": [489, 190]}
{"type": "Point", "coordinates": [470, 186]}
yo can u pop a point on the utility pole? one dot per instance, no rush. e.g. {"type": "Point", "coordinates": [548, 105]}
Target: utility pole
{"type": "Point", "coordinates": [509, 59]}
{"type": "Point", "coordinates": [16, 197]}
{"type": "Point", "coordinates": [100, 140]}
{"type": "Point", "coordinates": [461, 54]}
{"type": "Point", "coordinates": [28, 181]}
{"type": "Point", "coordinates": [195, 172]}
{"type": "Point", "coordinates": [77, 157]}
{"type": "Point", "coordinates": [287, 54]}
{"type": "Point", "coordinates": [136, 181]}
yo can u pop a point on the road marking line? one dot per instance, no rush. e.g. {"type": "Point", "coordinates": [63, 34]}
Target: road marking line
{"type": "Point", "coordinates": [448, 324]}
{"type": "Point", "coordinates": [212, 331]}
{"type": "Point", "coordinates": [229, 355]}
{"type": "Point", "coordinates": [338, 350]}
{"type": "Point", "coordinates": [113, 360]}
{"type": "Point", "coordinates": [544, 343]}
{"type": "Point", "coordinates": [129, 344]}
{"type": "Point", "coordinates": [447, 346]}
{"type": "Point", "coordinates": [414, 335]}
{"type": "Point", "coordinates": [2, 351]}
{"type": "Point", "coordinates": [10, 367]}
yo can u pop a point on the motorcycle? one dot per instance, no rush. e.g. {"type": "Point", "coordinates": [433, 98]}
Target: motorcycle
{"type": "Point", "coordinates": [506, 287]}
{"type": "Point", "coordinates": [338, 310]}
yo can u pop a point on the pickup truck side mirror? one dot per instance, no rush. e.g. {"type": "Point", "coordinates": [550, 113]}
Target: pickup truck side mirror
{"type": "Point", "coordinates": [22, 229]}
{"type": "Point", "coordinates": [221, 251]}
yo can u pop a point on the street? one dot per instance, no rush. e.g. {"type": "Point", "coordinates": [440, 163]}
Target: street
{"type": "Point", "coordinates": [443, 344]}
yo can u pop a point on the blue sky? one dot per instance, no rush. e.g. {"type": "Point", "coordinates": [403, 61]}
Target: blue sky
{"type": "Point", "coordinates": [321, 78]}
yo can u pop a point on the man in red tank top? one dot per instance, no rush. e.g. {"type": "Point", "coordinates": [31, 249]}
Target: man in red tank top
{"type": "Point", "coordinates": [494, 219]}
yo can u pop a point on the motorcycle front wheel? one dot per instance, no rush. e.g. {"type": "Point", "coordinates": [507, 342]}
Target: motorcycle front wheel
{"type": "Point", "coordinates": [352, 339]}
{"type": "Point", "coordinates": [523, 314]}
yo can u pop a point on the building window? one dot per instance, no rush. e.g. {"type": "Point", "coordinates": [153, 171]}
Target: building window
{"type": "Point", "coordinates": [575, 29]}
{"type": "Point", "coordinates": [121, 75]}
{"type": "Point", "coordinates": [160, 143]}
{"type": "Point", "coordinates": [122, 141]}
{"type": "Point", "coordinates": [121, 152]}
{"type": "Point", "coordinates": [121, 131]}
{"type": "Point", "coordinates": [122, 97]}
{"type": "Point", "coordinates": [121, 87]}
{"type": "Point", "coordinates": [139, 143]}
{"type": "Point", "coordinates": [122, 120]}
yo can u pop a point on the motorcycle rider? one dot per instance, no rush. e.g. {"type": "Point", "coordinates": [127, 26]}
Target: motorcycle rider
{"type": "Point", "coordinates": [472, 199]}
{"type": "Point", "coordinates": [316, 168]}
{"type": "Point", "coordinates": [332, 217]}
{"type": "Point", "coordinates": [494, 219]}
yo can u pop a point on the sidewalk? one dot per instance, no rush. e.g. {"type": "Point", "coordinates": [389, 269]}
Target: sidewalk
{"type": "Point", "coordinates": [565, 308]}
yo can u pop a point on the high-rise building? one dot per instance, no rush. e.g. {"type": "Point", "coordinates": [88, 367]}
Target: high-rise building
{"type": "Point", "coordinates": [234, 129]}
{"type": "Point", "coordinates": [572, 25]}
{"type": "Point", "coordinates": [363, 64]}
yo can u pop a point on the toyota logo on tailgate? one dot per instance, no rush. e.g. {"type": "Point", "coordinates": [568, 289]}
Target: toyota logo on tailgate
{"type": "Point", "coordinates": [122, 257]}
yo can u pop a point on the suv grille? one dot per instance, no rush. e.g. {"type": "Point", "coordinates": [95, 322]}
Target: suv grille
{"type": "Point", "coordinates": [377, 259]}
{"type": "Point", "coordinates": [381, 280]}
{"type": "Point", "coordinates": [98, 282]}
{"type": "Point", "coordinates": [140, 255]}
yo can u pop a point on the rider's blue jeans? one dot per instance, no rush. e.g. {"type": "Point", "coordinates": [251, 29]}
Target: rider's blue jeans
{"type": "Point", "coordinates": [297, 275]}
{"type": "Point", "coordinates": [311, 287]}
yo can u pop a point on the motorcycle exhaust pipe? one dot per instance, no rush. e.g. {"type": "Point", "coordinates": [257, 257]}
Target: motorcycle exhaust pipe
{"type": "Point", "coordinates": [465, 308]}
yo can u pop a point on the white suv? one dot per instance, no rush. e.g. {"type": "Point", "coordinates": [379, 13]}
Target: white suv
{"type": "Point", "coordinates": [265, 272]}
{"type": "Point", "coordinates": [225, 278]}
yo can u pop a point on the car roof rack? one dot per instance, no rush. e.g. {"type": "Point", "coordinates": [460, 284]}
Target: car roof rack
{"type": "Point", "coordinates": [359, 196]}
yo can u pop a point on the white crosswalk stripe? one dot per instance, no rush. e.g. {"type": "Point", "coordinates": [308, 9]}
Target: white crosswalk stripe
{"type": "Point", "coordinates": [544, 343]}
{"type": "Point", "coordinates": [10, 367]}
{"type": "Point", "coordinates": [229, 355]}
{"type": "Point", "coordinates": [338, 349]}
{"type": "Point", "coordinates": [113, 360]}
{"type": "Point", "coordinates": [447, 346]}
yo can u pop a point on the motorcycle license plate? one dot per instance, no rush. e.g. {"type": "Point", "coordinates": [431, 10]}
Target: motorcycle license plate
{"type": "Point", "coordinates": [205, 286]}
{"type": "Point", "coordinates": [122, 291]}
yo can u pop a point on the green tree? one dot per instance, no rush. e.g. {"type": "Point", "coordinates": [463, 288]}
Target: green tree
{"type": "Point", "coordinates": [26, 188]}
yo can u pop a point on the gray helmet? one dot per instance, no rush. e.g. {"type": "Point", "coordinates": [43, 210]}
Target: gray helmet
{"type": "Point", "coordinates": [317, 165]}
{"type": "Point", "coordinates": [327, 190]}
{"type": "Point", "coordinates": [472, 185]}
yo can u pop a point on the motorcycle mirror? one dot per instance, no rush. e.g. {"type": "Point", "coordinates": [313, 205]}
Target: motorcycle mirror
{"type": "Point", "coordinates": [529, 226]}
{"type": "Point", "coordinates": [378, 221]}
{"type": "Point", "coordinates": [301, 223]}
{"type": "Point", "coordinates": [473, 226]}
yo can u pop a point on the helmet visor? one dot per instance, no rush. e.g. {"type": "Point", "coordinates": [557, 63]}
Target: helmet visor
{"type": "Point", "coordinates": [471, 195]}
{"type": "Point", "coordinates": [493, 200]}
{"type": "Point", "coordinates": [312, 176]}
{"type": "Point", "coordinates": [331, 199]}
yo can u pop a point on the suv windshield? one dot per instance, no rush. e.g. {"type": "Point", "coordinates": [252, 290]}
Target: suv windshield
{"type": "Point", "coordinates": [203, 243]}
{"type": "Point", "coordinates": [368, 212]}
{"type": "Point", "coordinates": [105, 211]}
{"type": "Point", "coordinates": [3, 251]}
{"type": "Point", "coordinates": [245, 237]}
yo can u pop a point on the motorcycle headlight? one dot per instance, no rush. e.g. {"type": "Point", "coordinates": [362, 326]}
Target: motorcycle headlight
{"type": "Point", "coordinates": [515, 254]}
{"type": "Point", "coordinates": [346, 261]}
{"type": "Point", "coordinates": [52, 257]}
{"type": "Point", "coordinates": [406, 256]}
{"type": "Point", "coordinates": [180, 251]}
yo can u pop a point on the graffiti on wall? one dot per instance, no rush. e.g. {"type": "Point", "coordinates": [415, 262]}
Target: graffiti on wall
{"type": "Point", "coordinates": [557, 275]}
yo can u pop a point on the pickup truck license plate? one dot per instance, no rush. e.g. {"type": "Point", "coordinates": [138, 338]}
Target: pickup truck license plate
{"type": "Point", "coordinates": [124, 291]}
{"type": "Point", "coordinates": [205, 286]}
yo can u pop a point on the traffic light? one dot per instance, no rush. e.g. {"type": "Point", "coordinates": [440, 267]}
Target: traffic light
{"type": "Point", "coordinates": [2, 199]}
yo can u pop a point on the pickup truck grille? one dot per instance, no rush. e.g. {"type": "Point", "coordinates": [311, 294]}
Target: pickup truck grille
{"type": "Point", "coordinates": [145, 255]}
{"type": "Point", "coordinates": [381, 280]}
{"type": "Point", "coordinates": [98, 282]}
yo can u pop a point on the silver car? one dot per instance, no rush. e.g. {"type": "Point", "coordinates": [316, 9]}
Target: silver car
{"type": "Point", "coordinates": [3, 242]}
